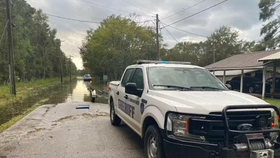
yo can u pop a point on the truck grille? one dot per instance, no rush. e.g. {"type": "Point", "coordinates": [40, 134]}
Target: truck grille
{"type": "Point", "coordinates": [213, 128]}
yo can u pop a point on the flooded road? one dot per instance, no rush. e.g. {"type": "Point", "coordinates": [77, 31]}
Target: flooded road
{"type": "Point", "coordinates": [78, 92]}
{"type": "Point", "coordinates": [58, 129]}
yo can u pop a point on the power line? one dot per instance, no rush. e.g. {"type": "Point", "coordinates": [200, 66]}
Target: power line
{"type": "Point", "coordinates": [184, 9]}
{"type": "Point", "coordinates": [100, 5]}
{"type": "Point", "coordinates": [4, 31]}
{"type": "Point", "coordinates": [66, 18]}
{"type": "Point", "coordinates": [185, 31]}
{"type": "Point", "coordinates": [139, 7]}
{"type": "Point", "coordinates": [197, 13]}
{"type": "Point", "coordinates": [84, 21]}
{"type": "Point", "coordinates": [170, 33]}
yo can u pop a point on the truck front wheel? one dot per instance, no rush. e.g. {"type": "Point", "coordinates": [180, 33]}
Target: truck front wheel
{"type": "Point", "coordinates": [153, 146]}
{"type": "Point", "coordinates": [115, 120]}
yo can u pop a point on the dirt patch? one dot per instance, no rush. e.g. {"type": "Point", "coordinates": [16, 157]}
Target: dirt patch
{"type": "Point", "coordinates": [48, 109]}
{"type": "Point", "coordinates": [66, 118]}
{"type": "Point", "coordinates": [36, 130]}
{"type": "Point", "coordinates": [102, 114]}
{"type": "Point", "coordinates": [87, 115]}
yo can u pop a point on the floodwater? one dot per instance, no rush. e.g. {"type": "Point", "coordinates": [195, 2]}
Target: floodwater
{"type": "Point", "coordinates": [74, 92]}
{"type": "Point", "coordinates": [79, 92]}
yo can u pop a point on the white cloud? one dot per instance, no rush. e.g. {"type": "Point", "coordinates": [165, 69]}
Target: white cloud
{"type": "Point", "coordinates": [242, 15]}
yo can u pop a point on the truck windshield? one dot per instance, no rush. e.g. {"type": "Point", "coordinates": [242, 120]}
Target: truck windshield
{"type": "Point", "coordinates": [174, 78]}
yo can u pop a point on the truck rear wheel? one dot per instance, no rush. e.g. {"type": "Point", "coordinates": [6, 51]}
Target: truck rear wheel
{"type": "Point", "coordinates": [115, 120]}
{"type": "Point", "coordinates": [153, 146]}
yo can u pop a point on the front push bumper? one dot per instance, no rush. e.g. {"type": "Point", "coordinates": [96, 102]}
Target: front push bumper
{"type": "Point", "coordinates": [175, 149]}
{"type": "Point", "coordinates": [178, 148]}
{"type": "Point", "coordinates": [186, 150]}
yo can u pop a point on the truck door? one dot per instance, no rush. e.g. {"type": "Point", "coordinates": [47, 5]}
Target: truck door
{"type": "Point", "coordinates": [134, 100]}
{"type": "Point", "coordinates": [122, 97]}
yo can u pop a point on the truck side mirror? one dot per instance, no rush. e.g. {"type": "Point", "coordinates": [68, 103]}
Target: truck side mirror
{"type": "Point", "coordinates": [229, 86]}
{"type": "Point", "coordinates": [131, 88]}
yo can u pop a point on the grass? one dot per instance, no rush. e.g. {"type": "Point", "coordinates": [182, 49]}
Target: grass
{"type": "Point", "coordinates": [24, 87]}
{"type": "Point", "coordinates": [14, 120]}
{"type": "Point", "coordinates": [275, 102]}
{"type": "Point", "coordinates": [29, 96]}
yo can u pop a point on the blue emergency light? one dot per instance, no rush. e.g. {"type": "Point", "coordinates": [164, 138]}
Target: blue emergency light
{"type": "Point", "coordinates": [162, 62]}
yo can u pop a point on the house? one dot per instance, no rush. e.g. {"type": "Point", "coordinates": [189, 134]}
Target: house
{"type": "Point", "coordinates": [263, 64]}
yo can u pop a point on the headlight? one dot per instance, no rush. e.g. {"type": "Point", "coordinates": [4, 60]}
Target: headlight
{"type": "Point", "coordinates": [178, 125]}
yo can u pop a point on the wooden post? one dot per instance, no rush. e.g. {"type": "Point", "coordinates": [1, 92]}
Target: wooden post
{"type": "Point", "coordinates": [224, 77]}
{"type": "Point", "coordinates": [263, 86]}
{"type": "Point", "coordinates": [241, 80]}
{"type": "Point", "coordinates": [273, 79]}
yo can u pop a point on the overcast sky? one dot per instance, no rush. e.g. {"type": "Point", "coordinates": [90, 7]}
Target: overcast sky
{"type": "Point", "coordinates": [242, 15]}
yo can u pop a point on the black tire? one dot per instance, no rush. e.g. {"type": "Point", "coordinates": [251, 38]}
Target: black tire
{"type": "Point", "coordinates": [251, 89]}
{"type": "Point", "coordinates": [153, 138]}
{"type": "Point", "coordinates": [115, 120]}
{"type": "Point", "coordinates": [92, 99]}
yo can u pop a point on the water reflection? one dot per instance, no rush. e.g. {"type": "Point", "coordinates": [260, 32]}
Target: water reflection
{"type": "Point", "coordinates": [80, 93]}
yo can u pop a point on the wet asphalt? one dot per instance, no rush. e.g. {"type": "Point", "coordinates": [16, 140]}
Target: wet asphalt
{"type": "Point", "coordinates": [62, 131]}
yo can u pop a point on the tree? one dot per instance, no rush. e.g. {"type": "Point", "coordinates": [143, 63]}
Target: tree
{"type": "Point", "coordinates": [116, 43]}
{"type": "Point", "coordinates": [223, 43]}
{"type": "Point", "coordinates": [185, 51]}
{"type": "Point", "coordinates": [270, 31]}
{"type": "Point", "coordinates": [36, 47]}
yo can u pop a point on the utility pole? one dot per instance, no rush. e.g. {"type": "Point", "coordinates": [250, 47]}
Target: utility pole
{"type": "Point", "coordinates": [70, 66]}
{"type": "Point", "coordinates": [44, 64]}
{"type": "Point", "coordinates": [60, 58]}
{"type": "Point", "coordinates": [157, 27]}
{"type": "Point", "coordinates": [214, 52]}
{"type": "Point", "coordinates": [61, 71]}
{"type": "Point", "coordinates": [214, 56]}
{"type": "Point", "coordinates": [11, 51]}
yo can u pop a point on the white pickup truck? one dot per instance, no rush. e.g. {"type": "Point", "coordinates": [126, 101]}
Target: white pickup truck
{"type": "Point", "coordinates": [183, 111]}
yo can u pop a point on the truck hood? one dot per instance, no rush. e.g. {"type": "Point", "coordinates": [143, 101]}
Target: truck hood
{"type": "Point", "coordinates": [204, 102]}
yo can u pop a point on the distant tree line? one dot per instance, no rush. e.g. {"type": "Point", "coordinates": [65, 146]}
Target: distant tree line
{"type": "Point", "coordinates": [36, 48]}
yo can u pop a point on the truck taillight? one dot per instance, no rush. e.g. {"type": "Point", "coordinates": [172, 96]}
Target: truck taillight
{"type": "Point", "coordinates": [273, 124]}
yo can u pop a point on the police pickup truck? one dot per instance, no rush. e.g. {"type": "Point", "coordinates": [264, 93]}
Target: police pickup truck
{"type": "Point", "coordinates": [183, 111]}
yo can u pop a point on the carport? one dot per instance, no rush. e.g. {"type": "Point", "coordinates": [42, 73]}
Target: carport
{"type": "Point", "coordinates": [274, 59]}
{"type": "Point", "coordinates": [244, 63]}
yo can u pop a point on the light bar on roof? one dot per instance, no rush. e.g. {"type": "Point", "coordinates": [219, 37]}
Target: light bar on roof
{"type": "Point", "coordinates": [162, 62]}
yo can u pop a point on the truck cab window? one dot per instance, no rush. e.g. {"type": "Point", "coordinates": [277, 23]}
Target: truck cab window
{"type": "Point", "coordinates": [138, 78]}
{"type": "Point", "coordinates": [126, 76]}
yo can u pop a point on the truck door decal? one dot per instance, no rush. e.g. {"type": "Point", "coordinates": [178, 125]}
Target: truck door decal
{"type": "Point", "coordinates": [128, 109]}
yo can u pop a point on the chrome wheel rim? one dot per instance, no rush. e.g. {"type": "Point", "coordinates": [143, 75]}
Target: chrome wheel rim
{"type": "Point", "coordinates": [152, 147]}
